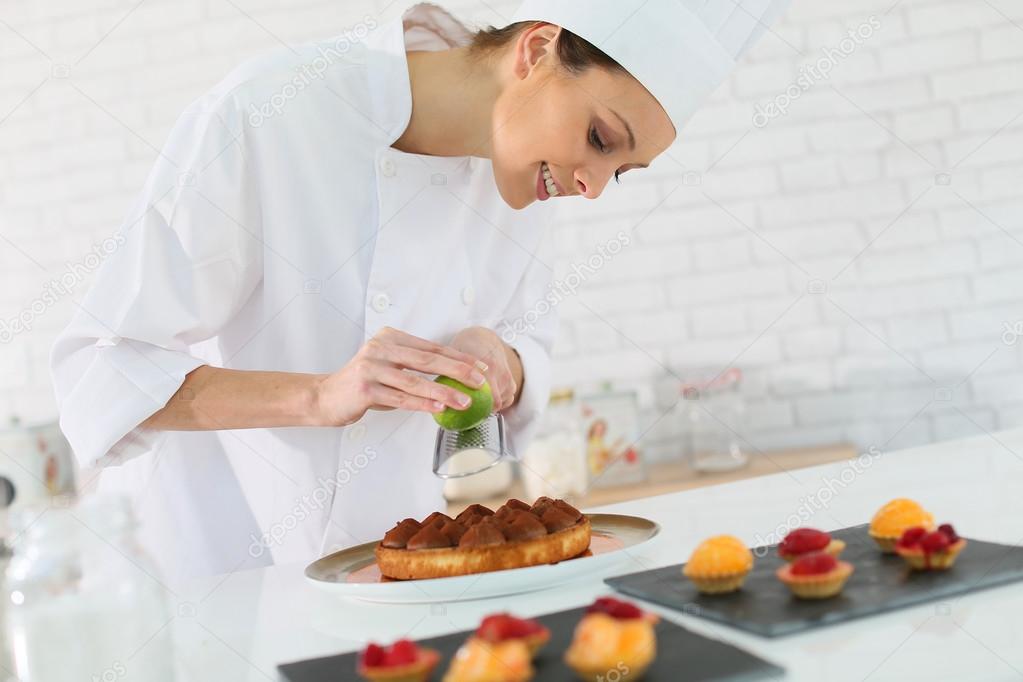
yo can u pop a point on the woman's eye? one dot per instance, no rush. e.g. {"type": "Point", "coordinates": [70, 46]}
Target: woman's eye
{"type": "Point", "coordinates": [596, 141]}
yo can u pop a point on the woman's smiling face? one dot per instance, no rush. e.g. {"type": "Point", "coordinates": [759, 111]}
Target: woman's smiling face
{"type": "Point", "coordinates": [557, 133]}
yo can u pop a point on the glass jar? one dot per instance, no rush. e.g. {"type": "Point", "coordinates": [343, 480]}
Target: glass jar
{"type": "Point", "coordinates": [713, 413]}
{"type": "Point", "coordinates": [83, 600]}
{"type": "Point", "coordinates": [554, 463]}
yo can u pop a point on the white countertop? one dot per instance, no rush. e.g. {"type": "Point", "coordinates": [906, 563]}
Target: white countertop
{"type": "Point", "coordinates": [240, 626]}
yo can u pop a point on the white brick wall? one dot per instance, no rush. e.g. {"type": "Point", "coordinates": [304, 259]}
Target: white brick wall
{"type": "Point", "coordinates": [895, 183]}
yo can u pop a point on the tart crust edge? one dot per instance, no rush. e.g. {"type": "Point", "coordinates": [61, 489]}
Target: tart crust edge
{"type": "Point", "coordinates": [445, 562]}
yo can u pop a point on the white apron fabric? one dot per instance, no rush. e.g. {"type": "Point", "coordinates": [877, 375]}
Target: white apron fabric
{"type": "Point", "coordinates": [278, 231]}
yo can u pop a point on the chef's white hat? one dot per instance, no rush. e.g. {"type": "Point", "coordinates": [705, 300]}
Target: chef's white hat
{"type": "Point", "coordinates": [680, 50]}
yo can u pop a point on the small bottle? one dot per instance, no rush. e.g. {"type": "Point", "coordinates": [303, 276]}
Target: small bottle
{"type": "Point", "coordinates": [554, 463]}
{"type": "Point", "coordinates": [82, 599]}
{"type": "Point", "coordinates": [714, 415]}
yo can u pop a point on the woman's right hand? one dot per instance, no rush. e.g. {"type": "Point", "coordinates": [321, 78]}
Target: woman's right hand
{"type": "Point", "coordinates": [383, 376]}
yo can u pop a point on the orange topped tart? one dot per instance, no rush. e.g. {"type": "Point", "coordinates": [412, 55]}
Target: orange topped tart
{"type": "Point", "coordinates": [613, 637]}
{"type": "Point", "coordinates": [719, 564]}
{"type": "Point", "coordinates": [480, 540]}
{"type": "Point", "coordinates": [817, 575]}
{"type": "Point", "coordinates": [894, 518]}
{"type": "Point", "coordinates": [926, 550]}
{"type": "Point", "coordinates": [403, 661]}
{"type": "Point", "coordinates": [501, 649]}
{"type": "Point", "coordinates": [805, 540]}
{"type": "Point", "coordinates": [481, 661]}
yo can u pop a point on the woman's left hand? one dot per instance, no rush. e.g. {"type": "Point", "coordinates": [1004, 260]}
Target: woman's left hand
{"type": "Point", "coordinates": [504, 369]}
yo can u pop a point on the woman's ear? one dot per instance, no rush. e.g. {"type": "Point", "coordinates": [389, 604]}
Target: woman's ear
{"type": "Point", "coordinates": [533, 45]}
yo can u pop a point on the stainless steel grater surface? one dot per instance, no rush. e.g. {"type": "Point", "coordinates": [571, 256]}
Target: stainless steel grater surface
{"type": "Point", "coordinates": [464, 453]}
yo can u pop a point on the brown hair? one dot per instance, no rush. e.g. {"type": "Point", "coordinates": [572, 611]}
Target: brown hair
{"type": "Point", "coordinates": [575, 54]}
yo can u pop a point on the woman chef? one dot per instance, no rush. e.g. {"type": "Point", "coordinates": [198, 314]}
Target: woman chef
{"type": "Point", "coordinates": [332, 225]}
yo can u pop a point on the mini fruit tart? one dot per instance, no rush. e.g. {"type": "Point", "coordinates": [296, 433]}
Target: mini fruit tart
{"type": "Point", "coordinates": [481, 661]}
{"type": "Point", "coordinates": [719, 564]}
{"type": "Point", "coordinates": [403, 661]}
{"type": "Point", "coordinates": [614, 635]}
{"type": "Point", "coordinates": [501, 627]}
{"type": "Point", "coordinates": [817, 575]}
{"type": "Point", "coordinates": [892, 520]}
{"type": "Point", "coordinates": [926, 550]}
{"type": "Point", "coordinates": [803, 541]}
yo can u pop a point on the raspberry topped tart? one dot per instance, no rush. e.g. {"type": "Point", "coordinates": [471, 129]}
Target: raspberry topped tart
{"type": "Point", "coordinates": [480, 540]}
{"type": "Point", "coordinates": [805, 540]}
{"type": "Point", "coordinates": [926, 550]}
{"type": "Point", "coordinates": [403, 661]}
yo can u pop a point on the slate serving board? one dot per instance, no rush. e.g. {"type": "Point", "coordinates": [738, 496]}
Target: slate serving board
{"type": "Point", "coordinates": [880, 583]}
{"type": "Point", "coordinates": [682, 656]}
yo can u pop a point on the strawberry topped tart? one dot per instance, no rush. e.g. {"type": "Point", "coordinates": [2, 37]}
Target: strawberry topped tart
{"type": "Point", "coordinates": [817, 575]}
{"type": "Point", "coordinates": [403, 661]}
{"type": "Point", "coordinates": [805, 540]}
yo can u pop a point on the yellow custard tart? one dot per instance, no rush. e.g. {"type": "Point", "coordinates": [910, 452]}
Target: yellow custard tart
{"type": "Point", "coordinates": [719, 564]}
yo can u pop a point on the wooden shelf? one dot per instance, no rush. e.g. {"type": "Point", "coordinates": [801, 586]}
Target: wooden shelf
{"type": "Point", "coordinates": [670, 477]}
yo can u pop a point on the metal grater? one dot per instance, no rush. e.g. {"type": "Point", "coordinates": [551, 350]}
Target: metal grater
{"type": "Point", "coordinates": [463, 453]}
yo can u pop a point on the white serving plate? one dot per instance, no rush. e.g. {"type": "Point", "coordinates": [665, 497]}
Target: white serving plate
{"type": "Point", "coordinates": [352, 572]}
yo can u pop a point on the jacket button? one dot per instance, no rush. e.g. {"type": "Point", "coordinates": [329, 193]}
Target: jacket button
{"type": "Point", "coordinates": [387, 167]}
{"type": "Point", "coordinates": [468, 295]}
{"type": "Point", "coordinates": [381, 302]}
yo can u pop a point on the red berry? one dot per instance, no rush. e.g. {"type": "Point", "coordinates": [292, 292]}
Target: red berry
{"type": "Point", "coordinates": [911, 536]}
{"type": "Point", "coordinates": [949, 532]}
{"type": "Point", "coordinates": [373, 656]}
{"type": "Point", "coordinates": [622, 610]}
{"type": "Point", "coordinates": [403, 652]}
{"type": "Point", "coordinates": [815, 563]}
{"type": "Point", "coordinates": [501, 626]}
{"type": "Point", "coordinates": [935, 542]}
{"type": "Point", "coordinates": [803, 540]}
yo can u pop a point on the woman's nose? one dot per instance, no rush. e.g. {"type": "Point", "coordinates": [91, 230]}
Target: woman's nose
{"type": "Point", "coordinates": [588, 186]}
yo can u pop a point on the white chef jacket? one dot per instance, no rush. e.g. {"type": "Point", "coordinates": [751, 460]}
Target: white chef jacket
{"type": "Point", "coordinates": [279, 230]}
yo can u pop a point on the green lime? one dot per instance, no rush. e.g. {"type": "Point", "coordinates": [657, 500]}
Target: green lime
{"type": "Point", "coordinates": [474, 415]}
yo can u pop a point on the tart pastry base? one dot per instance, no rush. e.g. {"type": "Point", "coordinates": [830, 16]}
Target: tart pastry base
{"type": "Point", "coordinates": [445, 562]}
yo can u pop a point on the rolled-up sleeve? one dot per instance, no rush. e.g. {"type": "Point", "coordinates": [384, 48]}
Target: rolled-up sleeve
{"type": "Point", "coordinates": [182, 265]}
{"type": "Point", "coordinates": [529, 326]}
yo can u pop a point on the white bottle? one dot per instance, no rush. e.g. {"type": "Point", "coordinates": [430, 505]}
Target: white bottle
{"type": "Point", "coordinates": [554, 463]}
{"type": "Point", "coordinates": [82, 599]}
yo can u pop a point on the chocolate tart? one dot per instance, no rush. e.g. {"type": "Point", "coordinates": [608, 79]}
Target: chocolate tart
{"type": "Point", "coordinates": [480, 540]}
